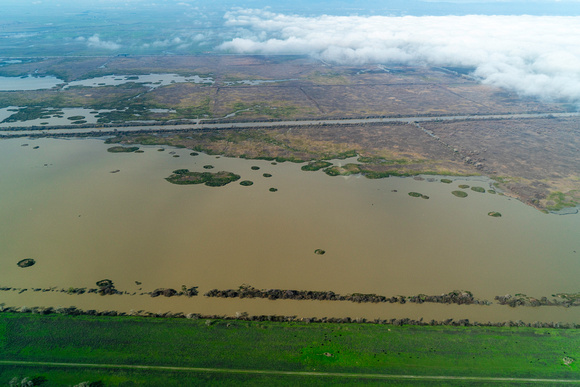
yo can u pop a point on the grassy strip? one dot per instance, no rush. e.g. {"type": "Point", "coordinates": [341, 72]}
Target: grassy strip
{"type": "Point", "coordinates": [289, 346]}
{"type": "Point", "coordinates": [65, 376]}
{"type": "Point", "coordinates": [321, 376]}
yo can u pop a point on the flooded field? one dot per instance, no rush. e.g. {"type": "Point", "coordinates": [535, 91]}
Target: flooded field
{"type": "Point", "coordinates": [62, 206]}
{"type": "Point", "coordinates": [49, 116]}
{"type": "Point", "coordinates": [150, 80]}
{"type": "Point", "coordinates": [29, 83]}
{"type": "Point", "coordinates": [65, 116]}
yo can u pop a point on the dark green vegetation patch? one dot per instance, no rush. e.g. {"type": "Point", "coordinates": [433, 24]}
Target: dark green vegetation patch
{"type": "Point", "coordinates": [446, 181]}
{"type": "Point", "coordinates": [208, 166]}
{"type": "Point", "coordinates": [255, 168]}
{"type": "Point", "coordinates": [316, 165]}
{"type": "Point", "coordinates": [463, 186]}
{"type": "Point", "coordinates": [218, 179]}
{"type": "Point", "coordinates": [319, 252]}
{"type": "Point", "coordinates": [418, 195]}
{"type": "Point", "coordinates": [123, 149]}
{"type": "Point", "coordinates": [26, 262]}
{"type": "Point", "coordinates": [246, 183]}
{"type": "Point", "coordinates": [494, 214]}
{"type": "Point", "coordinates": [478, 189]}
{"type": "Point", "coordinates": [273, 189]}
{"type": "Point", "coordinates": [459, 194]}
{"type": "Point", "coordinates": [32, 113]}
{"type": "Point", "coordinates": [267, 175]}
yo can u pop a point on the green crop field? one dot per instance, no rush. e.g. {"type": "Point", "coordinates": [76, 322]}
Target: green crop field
{"type": "Point", "coordinates": [105, 349]}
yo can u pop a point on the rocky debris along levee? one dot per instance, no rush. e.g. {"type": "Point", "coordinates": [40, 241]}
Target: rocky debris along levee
{"type": "Point", "coordinates": [246, 291]}
{"type": "Point", "coordinates": [561, 299]}
{"type": "Point", "coordinates": [212, 319]}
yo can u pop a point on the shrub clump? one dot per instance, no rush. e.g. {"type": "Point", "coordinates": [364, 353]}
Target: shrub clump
{"type": "Point", "coordinates": [316, 165]}
{"type": "Point", "coordinates": [463, 186]}
{"type": "Point", "coordinates": [123, 149]}
{"type": "Point", "coordinates": [459, 194]}
{"type": "Point", "coordinates": [478, 189]}
{"type": "Point", "coordinates": [494, 214]}
{"type": "Point", "coordinates": [418, 195]}
{"type": "Point", "coordinates": [218, 179]}
{"type": "Point", "coordinates": [26, 262]}
{"type": "Point", "coordinates": [446, 181]}
{"type": "Point", "coordinates": [246, 183]}
{"type": "Point", "coordinates": [106, 287]}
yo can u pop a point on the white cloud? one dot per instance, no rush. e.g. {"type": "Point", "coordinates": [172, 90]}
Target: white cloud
{"type": "Point", "coordinates": [96, 42]}
{"type": "Point", "coordinates": [533, 55]}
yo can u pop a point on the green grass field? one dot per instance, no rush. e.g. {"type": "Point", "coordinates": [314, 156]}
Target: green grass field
{"type": "Point", "coordinates": [275, 346]}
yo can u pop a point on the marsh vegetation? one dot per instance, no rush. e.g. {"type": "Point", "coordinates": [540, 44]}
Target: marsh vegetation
{"type": "Point", "coordinates": [460, 194]}
{"type": "Point", "coordinates": [218, 179]}
{"type": "Point", "coordinates": [316, 165]}
{"type": "Point", "coordinates": [26, 262]}
{"type": "Point", "coordinates": [418, 195]}
{"type": "Point", "coordinates": [123, 149]}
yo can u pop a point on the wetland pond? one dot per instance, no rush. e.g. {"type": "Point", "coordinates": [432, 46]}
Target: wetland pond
{"type": "Point", "coordinates": [29, 83]}
{"type": "Point", "coordinates": [85, 214]}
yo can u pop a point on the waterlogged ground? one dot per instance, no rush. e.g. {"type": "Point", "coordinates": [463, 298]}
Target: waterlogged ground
{"type": "Point", "coordinates": [150, 80]}
{"type": "Point", "coordinates": [62, 206]}
{"type": "Point", "coordinates": [68, 117]}
{"type": "Point", "coordinates": [28, 83]}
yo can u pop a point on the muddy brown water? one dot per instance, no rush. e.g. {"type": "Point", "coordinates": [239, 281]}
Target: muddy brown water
{"type": "Point", "coordinates": [61, 205]}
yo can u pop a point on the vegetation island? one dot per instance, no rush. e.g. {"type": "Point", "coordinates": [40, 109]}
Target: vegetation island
{"type": "Point", "coordinates": [123, 149]}
{"type": "Point", "coordinates": [26, 262]}
{"type": "Point", "coordinates": [218, 179]}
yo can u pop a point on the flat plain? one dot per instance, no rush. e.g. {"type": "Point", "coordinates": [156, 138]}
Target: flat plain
{"type": "Point", "coordinates": [534, 159]}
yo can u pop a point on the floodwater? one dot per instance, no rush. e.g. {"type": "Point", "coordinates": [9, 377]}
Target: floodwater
{"type": "Point", "coordinates": [62, 206]}
{"type": "Point", "coordinates": [256, 82]}
{"type": "Point", "coordinates": [89, 115]}
{"type": "Point", "coordinates": [150, 80]}
{"type": "Point", "coordinates": [28, 83]}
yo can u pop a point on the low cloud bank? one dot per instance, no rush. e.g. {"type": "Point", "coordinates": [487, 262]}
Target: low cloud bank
{"type": "Point", "coordinates": [96, 42]}
{"type": "Point", "coordinates": [532, 55]}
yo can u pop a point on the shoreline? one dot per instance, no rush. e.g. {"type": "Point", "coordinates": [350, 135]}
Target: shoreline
{"type": "Point", "coordinates": [74, 311]}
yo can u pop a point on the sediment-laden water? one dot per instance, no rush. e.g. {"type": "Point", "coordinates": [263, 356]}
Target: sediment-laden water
{"type": "Point", "coordinates": [61, 205]}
